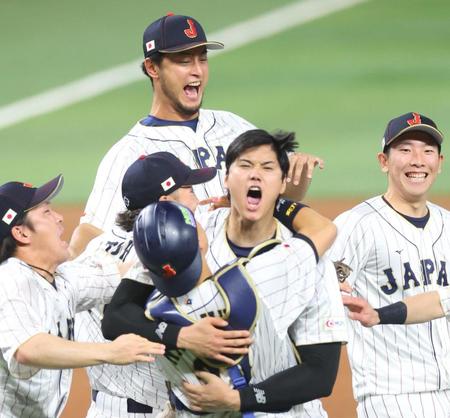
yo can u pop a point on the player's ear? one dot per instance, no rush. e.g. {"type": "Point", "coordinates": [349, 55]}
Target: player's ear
{"type": "Point", "coordinates": [151, 68]}
{"type": "Point", "coordinates": [383, 159]}
{"type": "Point", "coordinates": [21, 234]}
{"type": "Point", "coordinates": [165, 198]}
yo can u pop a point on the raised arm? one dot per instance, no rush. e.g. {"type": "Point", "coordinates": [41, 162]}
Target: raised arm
{"type": "Point", "coordinates": [303, 220]}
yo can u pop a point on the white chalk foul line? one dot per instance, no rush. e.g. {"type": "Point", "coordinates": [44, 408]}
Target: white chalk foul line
{"type": "Point", "coordinates": [235, 36]}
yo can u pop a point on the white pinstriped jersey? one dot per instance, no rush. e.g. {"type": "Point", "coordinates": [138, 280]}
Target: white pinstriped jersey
{"type": "Point", "coordinates": [284, 280]}
{"type": "Point", "coordinates": [205, 147]}
{"type": "Point", "coordinates": [142, 382]}
{"type": "Point", "coordinates": [392, 259]}
{"type": "Point", "coordinates": [322, 321]}
{"type": "Point", "coordinates": [30, 305]}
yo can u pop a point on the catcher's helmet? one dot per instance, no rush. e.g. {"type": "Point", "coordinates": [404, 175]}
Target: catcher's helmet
{"type": "Point", "coordinates": [166, 241]}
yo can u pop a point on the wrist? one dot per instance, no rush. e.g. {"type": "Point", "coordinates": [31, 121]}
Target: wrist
{"type": "Point", "coordinates": [392, 314]}
{"type": "Point", "coordinates": [234, 400]}
{"type": "Point", "coordinates": [183, 338]}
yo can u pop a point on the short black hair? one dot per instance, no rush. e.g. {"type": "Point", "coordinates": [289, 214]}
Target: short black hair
{"type": "Point", "coordinates": [281, 142]}
{"type": "Point", "coordinates": [8, 245]}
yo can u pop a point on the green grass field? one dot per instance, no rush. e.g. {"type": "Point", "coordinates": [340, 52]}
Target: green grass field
{"type": "Point", "coordinates": [335, 81]}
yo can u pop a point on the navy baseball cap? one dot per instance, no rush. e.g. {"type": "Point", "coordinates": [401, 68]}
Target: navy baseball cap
{"type": "Point", "coordinates": [166, 241]}
{"type": "Point", "coordinates": [156, 175]}
{"type": "Point", "coordinates": [175, 33]}
{"type": "Point", "coordinates": [17, 198]}
{"type": "Point", "coordinates": [411, 121]}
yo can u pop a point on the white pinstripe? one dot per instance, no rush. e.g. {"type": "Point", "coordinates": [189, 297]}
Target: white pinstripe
{"type": "Point", "coordinates": [379, 244]}
{"type": "Point", "coordinates": [215, 129]}
{"type": "Point", "coordinates": [142, 382]}
{"type": "Point", "coordinates": [323, 319]}
{"type": "Point", "coordinates": [30, 305]}
{"type": "Point", "coordinates": [284, 287]}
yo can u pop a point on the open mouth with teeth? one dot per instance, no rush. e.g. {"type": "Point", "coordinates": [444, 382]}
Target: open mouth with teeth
{"type": "Point", "coordinates": [416, 177]}
{"type": "Point", "coordinates": [191, 89]}
{"type": "Point", "coordinates": [254, 195]}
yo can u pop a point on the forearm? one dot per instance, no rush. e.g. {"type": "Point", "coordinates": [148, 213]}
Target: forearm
{"type": "Point", "coordinates": [423, 308]}
{"type": "Point", "coordinates": [303, 220]}
{"type": "Point", "coordinates": [51, 352]}
{"type": "Point", "coordinates": [313, 378]}
{"type": "Point", "coordinates": [125, 314]}
{"type": "Point", "coordinates": [316, 227]}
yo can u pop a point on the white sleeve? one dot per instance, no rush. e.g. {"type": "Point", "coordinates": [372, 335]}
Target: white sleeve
{"type": "Point", "coordinates": [353, 243]}
{"type": "Point", "coordinates": [93, 284]}
{"type": "Point", "coordinates": [19, 322]}
{"type": "Point", "coordinates": [285, 278]}
{"type": "Point", "coordinates": [444, 294]}
{"type": "Point", "coordinates": [323, 321]}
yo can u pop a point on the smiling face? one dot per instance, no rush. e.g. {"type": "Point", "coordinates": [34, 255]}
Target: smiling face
{"type": "Point", "coordinates": [254, 181]}
{"type": "Point", "coordinates": [412, 164]}
{"type": "Point", "coordinates": [45, 236]}
{"type": "Point", "coordinates": [179, 83]}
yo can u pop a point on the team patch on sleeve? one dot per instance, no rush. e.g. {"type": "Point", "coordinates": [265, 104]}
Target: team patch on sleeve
{"type": "Point", "coordinates": [333, 324]}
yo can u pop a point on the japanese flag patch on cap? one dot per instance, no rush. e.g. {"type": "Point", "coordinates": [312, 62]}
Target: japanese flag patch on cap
{"type": "Point", "coordinates": [9, 216]}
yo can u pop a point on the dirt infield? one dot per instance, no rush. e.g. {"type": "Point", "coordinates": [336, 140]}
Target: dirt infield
{"type": "Point", "coordinates": [339, 405]}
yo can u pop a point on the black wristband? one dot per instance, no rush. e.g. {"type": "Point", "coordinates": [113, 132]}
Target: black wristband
{"type": "Point", "coordinates": [285, 211]}
{"type": "Point", "coordinates": [393, 314]}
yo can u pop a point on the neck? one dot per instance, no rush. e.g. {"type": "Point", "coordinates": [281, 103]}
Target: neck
{"type": "Point", "coordinates": [43, 268]}
{"type": "Point", "coordinates": [165, 111]}
{"type": "Point", "coordinates": [245, 233]}
{"type": "Point", "coordinates": [408, 207]}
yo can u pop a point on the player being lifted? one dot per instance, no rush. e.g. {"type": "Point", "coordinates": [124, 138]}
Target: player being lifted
{"type": "Point", "coordinates": [176, 62]}
{"type": "Point", "coordinates": [398, 245]}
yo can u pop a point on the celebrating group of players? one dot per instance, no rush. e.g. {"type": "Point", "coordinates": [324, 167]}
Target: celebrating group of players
{"type": "Point", "coordinates": [228, 306]}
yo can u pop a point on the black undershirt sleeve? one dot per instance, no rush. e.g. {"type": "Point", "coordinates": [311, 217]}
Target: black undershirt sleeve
{"type": "Point", "coordinates": [125, 314]}
{"type": "Point", "coordinates": [312, 379]}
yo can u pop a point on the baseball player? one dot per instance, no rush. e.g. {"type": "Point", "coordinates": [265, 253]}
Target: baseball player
{"type": "Point", "coordinates": [412, 310]}
{"type": "Point", "coordinates": [398, 245]}
{"type": "Point", "coordinates": [175, 59]}
{"type": "Point", "coordinates": [253, 204]}
{"type": "Point", "coordinates": [135, 389]}
{"type": "Point", "coordinates": [268, 294]}
{"type": "Point", "coordinates": [39, 295]}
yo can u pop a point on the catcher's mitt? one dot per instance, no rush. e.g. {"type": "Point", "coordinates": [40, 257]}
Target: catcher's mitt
{"type": "Point", "coordinates": [342, 270]}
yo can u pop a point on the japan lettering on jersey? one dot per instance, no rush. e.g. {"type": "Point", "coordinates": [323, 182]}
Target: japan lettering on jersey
{"type": "Point", "coordinates": [390, 260]}
{"type": "Point", "coordinates": [204, 147]}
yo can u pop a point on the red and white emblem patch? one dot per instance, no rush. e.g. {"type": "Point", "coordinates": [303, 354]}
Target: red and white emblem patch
{"type": "Point", "coordinates": [9, 216]}
{"type": "Point", "coordinates": [167, 184]}
{"type": "Point", "coordinates": [150, 46]}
